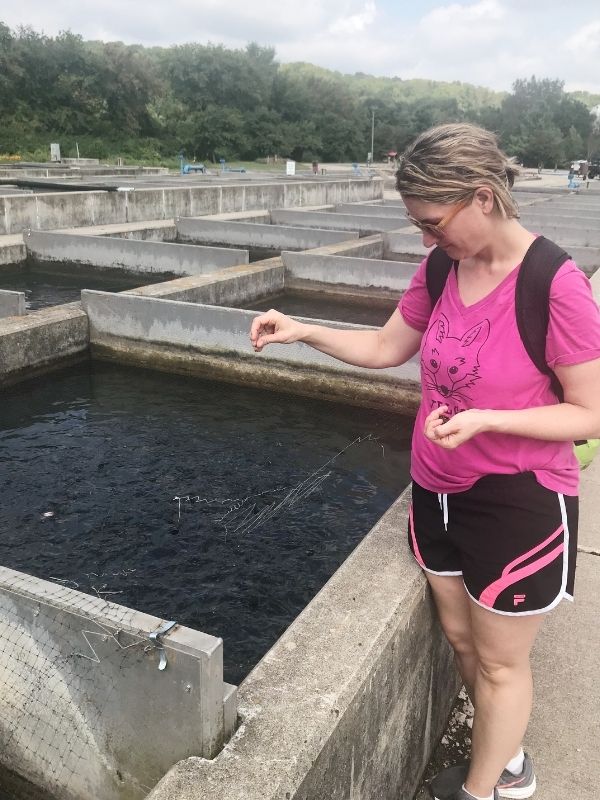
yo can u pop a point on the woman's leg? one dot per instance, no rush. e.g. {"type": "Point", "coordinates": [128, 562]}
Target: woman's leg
{"type": "Point", "coordinates": [461, 621]}
{"type": "Point", "coordinates": [503, 692]}
{"type": "Point", "coordinates": [454, 611]}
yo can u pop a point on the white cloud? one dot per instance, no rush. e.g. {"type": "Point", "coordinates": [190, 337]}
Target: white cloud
{"type": "Point", "coordinates": [354, 23]}
{"type": "Point", "coordinates": [466, 24]}
{"type": "Point", "coordinates": [584, 43]}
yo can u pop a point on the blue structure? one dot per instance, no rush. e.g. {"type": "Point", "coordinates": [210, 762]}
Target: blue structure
{"type": "Point", "coordinates": [186, 169]}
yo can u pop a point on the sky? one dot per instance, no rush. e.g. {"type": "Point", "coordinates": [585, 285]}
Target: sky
{"type": "Point", "coordinates": [484, 42]}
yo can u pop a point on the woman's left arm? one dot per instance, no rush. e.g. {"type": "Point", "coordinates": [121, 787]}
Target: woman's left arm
{"type": "Point", "coordinates": [578, 417]}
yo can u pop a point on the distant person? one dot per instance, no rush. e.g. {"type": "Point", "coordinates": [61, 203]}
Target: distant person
{"type": "Point", "coordinates": [493, 520]}
{"type": "Point", "coordinates": [583, 170]}
{"type": "Point", "coordinates": [315, 167]}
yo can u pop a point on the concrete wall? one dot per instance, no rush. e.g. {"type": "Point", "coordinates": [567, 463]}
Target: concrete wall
{"type": "Point", "coordinates": [37, 342]}
{"type": "Point", "coordinates": [586, 258]}
{"type": "Point", "coordinates": [366, 247]}
{"type": "Point", "coordinates": [572, 201]}
{"type": "Point", "coordinates": [349, 703]}
{"type": "Point", "coordinates": [350, 273]}
{"type": "Point", "coordinates": [238, 285]}
{"type": "Point", "coordinates": [85, 710]}
{"type": "Point", "coordinates": [248, 234]}
{"type": "Point", "coordinates": [12, 250]}
{"type": "Point", "coordinates": [365, 225]}
{"type": "Point", "coordinates": [580, 219]}
{"type": "Point", "coordinates": [12, 304]}
{"type": "Point", "coordinates": [214, 342]}
{"type": "Point", "coordinates": [366, 209]}
{"type": "Point", "coordinates": [131, 255]}
{"type": "Point", "coordinates": [149, 230]}
{"type": "Point", "coordinates": [535, 188]}
{"type": "Point", "coordinates": [569, 234]}
{"type": "Point", "coordinates": [404, 246]}
{"type": "Point", "coordinates": [77, 209]}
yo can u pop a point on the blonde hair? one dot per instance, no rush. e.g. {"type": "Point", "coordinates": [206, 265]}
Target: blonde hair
{"type": "Point", "coordinates": [448, 163]}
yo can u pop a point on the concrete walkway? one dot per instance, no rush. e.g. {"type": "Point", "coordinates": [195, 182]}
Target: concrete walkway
{"type": "Point", "coordinates": [564, 731]}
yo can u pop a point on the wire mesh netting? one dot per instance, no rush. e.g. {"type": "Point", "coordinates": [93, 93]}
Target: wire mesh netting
{"type": "Point", "coordinates": [70, 665]}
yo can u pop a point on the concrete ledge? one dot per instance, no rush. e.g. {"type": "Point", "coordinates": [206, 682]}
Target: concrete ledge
{"type": "Point", "coordinates": [159, 230]}
{"type": "Point", "coordinates": [250, 234]}
{"type": "Point", "coordinates": [400, 246]}
{"type": "Point", "coordinates": [366, 209]}
{"type": "Point", "coordinates": [130, 255]}
{"type": "Point", "coordinates": [366, 225]}
{"type": "Point", "coordinates": [583, 218]}
{"type": "Point", "coordinates": [586, 258]}
{"type": "Point", "coordinates": [216, 331]}
{"type": "Point", "coordinates": [35, 343]}
{"type": "Point", "coordinates": [236, 285]}
{"type": "Point", "coordinates": [12, 250]}
{"type": "Point", "coordinates": [53, 210]}
{"type": "Point", "coordinates": [12, 304]}
{"type": "Point", "coordinates": [352, 698]}
{"type": "Point", "coordinates": [366, 247]}
{"type": "Point", "coordinates": [567, 234]}
{"type": "Point", "coordinates": [343, 273]}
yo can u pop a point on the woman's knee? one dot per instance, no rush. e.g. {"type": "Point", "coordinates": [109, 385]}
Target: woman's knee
{"type": "Point", "coordinates": [497, 671]}
{"type": "Point", "coordinates": [459, 637]}
{"type": "Point", "coordinates": [453, 610]}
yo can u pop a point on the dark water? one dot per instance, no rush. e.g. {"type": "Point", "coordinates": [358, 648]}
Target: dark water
{"type": "Point", "coordinates": [44, 290]}
{"type": "Point", "coordinates": [92, 457]}
{"type": "Point", "coordinates": [329, 307]}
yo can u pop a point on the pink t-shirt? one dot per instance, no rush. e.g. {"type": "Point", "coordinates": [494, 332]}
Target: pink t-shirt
{"type": "Point", "coordinates": [473, 357]}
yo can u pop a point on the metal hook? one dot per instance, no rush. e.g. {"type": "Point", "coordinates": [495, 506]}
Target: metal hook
{"type": "Point", "coordinates": [155, 638]}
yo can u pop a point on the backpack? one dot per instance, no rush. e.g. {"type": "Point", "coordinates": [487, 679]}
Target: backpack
{"type": "Point", "coordinates": [532, 307]}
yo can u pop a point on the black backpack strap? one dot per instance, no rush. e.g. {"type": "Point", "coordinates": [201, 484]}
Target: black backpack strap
{"type": "Point", "coordinates": [532, 302]}
{"type": "Point", "coordinates": [437, 270]}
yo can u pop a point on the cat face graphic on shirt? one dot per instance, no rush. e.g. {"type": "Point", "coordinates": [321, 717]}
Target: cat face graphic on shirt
{"type": "Point", "coordinates": [451, 363]}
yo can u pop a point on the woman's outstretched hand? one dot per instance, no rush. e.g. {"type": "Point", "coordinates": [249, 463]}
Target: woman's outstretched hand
{"type": "Point", "coordinates": [273, 327]}
{"type": "Point", "coordinates": [450, 432]}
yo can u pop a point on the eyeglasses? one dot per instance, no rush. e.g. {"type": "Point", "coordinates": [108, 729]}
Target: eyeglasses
{"type": "Point", "coordinates": [437, 229]}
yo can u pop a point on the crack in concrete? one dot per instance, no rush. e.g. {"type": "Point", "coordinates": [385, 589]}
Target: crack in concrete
{"type": "Point", "coordinates": [591, 551]}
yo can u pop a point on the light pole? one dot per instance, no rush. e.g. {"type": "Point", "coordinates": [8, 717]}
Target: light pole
{"type": "Point", "coordinates": [372, 134]}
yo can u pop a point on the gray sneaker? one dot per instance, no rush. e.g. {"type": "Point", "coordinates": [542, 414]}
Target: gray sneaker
{"type": "Point", "coordinates": [449, 781]}
{"type": "Point", "coordinates": [518, 787]}
{"type": "Point", "coordinates": [447, 785]}
{"type": "Point", "coordinates": [461, 794]}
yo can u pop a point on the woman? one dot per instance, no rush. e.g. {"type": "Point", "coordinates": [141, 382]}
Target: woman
{"type": "Point", "coordinates": [493, 520]}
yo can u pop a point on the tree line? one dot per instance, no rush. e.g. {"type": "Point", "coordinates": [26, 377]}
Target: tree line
{"type": "Point", "coordinates": [210, 102]}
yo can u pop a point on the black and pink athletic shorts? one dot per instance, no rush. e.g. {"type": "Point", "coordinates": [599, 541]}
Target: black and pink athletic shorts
{"type": "Point", "coordinates": [513, 541]}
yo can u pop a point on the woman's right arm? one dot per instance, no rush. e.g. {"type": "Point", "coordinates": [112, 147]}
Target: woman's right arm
{"type": "Point", "coordinates": [389, 346]}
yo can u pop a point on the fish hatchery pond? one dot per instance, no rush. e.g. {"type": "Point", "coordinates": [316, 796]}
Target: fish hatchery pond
{"type": "Point", "coordinates": [327, 306]}
{"type": "Point", "coordinates": [223, 508]}
{"type": "Point", "coordinates": [44, 289]}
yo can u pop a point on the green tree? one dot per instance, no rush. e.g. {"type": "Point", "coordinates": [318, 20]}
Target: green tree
{"type": "Point", "coordinates": [540, 123]}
